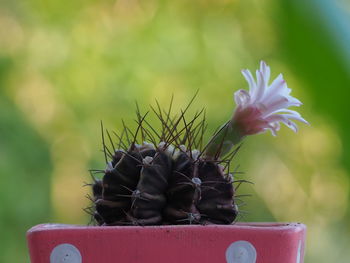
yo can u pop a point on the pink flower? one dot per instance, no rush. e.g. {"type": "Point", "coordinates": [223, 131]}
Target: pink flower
{"type": "Point", "coordinates": [264, 106]}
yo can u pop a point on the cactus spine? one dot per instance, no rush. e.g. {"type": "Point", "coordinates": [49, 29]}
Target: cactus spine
{"type": "Point", "coordinates": [168, 179]}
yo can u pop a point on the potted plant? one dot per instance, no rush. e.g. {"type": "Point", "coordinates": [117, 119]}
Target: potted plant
{"type": "Point", "coordinates": [168, 196]}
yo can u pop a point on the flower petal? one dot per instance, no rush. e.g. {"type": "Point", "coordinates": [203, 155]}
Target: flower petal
{"type": "Point", "coordinates": [292, 125]}
{"type": "Point", "coordinates": [274, 127]}
{"type": "Point", "coordinates": [294, 101]}
{"type": "Point", "coordinates": [284, 120]}
{"type": "Point", "coordinates": [278, 86]}
{"type": "Point", "coordinates": [265, 69]}
{"type": "Point", "coordinates": [294, 117]}
{"type": "Point", "coordinates": [241, 97]}
{"type": "Point", "coordinates": [249, 77]}
{"type": "Point", "coordinates": [283, 111]}
{"type": "Point", "coordinates": [278, 104]}
{"type": "Point", "coordinates": [258, 96]}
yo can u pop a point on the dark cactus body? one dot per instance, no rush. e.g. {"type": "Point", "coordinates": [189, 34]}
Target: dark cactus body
{"type": "Point", "coordinates": [184, 192]}
{"type": "Point", "coordinates": [217, 193]}
{"type": "Point", "coordinates": [159, 186]}
{"type": "Point", "coordinates": [170, 179]}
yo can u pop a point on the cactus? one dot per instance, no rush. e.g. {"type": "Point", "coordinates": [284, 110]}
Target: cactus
{"type": "Point", "coordinates": [170, 178]}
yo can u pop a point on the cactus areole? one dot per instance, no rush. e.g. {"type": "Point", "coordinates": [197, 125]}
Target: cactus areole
{"type": "Point", "coordinates": [169, 176]}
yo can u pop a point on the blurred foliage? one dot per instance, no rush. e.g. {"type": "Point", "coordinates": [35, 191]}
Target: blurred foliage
{"type": "Point", "coordinates": [66, 65]}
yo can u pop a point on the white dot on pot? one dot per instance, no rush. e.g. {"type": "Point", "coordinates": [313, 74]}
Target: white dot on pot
{"type": "Point", "coordinates": [65, 253]}
{"type": "Point", "coordinates": [241, 252]}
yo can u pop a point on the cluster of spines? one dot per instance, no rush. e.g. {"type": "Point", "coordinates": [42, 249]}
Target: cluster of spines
{"type": "Point", "coordinates": [166, 181]}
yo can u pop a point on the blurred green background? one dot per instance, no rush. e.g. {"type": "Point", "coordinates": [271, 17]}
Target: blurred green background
{"type": "Point", "coordinates": [66, 65]}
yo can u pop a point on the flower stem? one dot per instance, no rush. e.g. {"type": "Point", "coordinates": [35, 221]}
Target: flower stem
{"type": "Point", "coordinates": [223, 140]}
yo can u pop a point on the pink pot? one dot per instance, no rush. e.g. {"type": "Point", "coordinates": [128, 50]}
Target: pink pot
{"type": "Point", "coordinates": [239, 243]}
